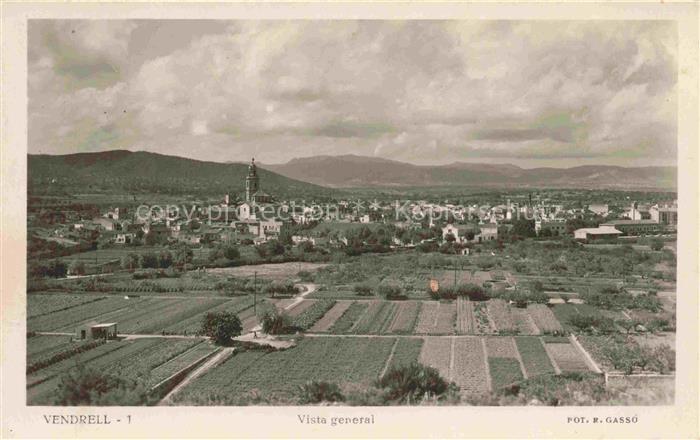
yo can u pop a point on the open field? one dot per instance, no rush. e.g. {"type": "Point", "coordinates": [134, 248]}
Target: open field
{"type": "Point", "coordinates": [278, 271]}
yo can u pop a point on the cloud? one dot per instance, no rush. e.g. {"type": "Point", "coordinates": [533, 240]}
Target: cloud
{"type": "Point", "coordinates": [421, 91]}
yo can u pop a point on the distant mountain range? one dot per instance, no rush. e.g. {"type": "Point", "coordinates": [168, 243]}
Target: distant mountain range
{"type": "Point", "coordinates": [128, 171]}
{"type": "Point", "coordinates": [143, 172]}
{"type": "Point", "coordinates": [361, 171]}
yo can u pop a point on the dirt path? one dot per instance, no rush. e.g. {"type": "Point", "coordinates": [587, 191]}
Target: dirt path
{"type": "Point", "coordinates": [309, 288]}
{"type": "Point", "coordinates": [206, 366]}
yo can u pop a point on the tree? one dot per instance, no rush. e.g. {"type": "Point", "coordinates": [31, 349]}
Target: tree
{"type": "Point", "coordinates": [77, 268]}
{"type": "Point", "coordinates": [148, 260]}
{"type": "Point", "coordinates": [450, 237]}
{"type": "Point", "coordinates": [524, 228]}
{"type": "Point", "coordinates": [231, 253]}
{"type": "Point", "coordinates": [221, 326]}
{"type": "Point", "coordinates": [165, 259]}
{"type": "Point", "coordinates": [656, 244]}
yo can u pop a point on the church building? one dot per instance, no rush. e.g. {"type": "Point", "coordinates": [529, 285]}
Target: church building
{"type": "Point", "coordinates": [253, 193]}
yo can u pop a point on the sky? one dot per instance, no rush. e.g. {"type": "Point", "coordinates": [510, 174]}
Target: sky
{"type": "Point", "coordinates": [529, 93]}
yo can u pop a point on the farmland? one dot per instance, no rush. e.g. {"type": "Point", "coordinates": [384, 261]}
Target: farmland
{"type": "Point", "coordinates": [348, 360]}
{"type": "Point", "coordinates": [134, 315]}
{"type": "Point", "coordinates": [135, 358]}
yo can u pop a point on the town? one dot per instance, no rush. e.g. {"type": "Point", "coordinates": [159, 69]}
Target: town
{"type": "Point", "coordinates": [488, 288]}
{"type": "Point", "coordinates": [257, 220]}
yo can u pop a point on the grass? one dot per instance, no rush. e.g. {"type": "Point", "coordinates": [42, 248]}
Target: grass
{"type": "Point", "coordinates": [504, 371]}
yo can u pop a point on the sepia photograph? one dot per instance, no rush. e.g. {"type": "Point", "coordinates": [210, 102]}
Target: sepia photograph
{"type": "Point", "coordinates": [345, 214]}
{"type": "Point", "coordinates": [351, 212]}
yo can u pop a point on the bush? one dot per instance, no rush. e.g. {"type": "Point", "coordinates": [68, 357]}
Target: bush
{"type": "Point", "coordinates": [274, 323]}
{"type": "Point", "coordinates": [592, 324]}
{"type": "Point", "coordinates": [87, 386]}
{"type": "Point", "coordinates": [319, 391]}
{"type": "Point", "coordinates": [363, 289]}
{"type": "Point", "coordinates": [391, 292]}
{"type": "Point", "coordinates": [412, 383]}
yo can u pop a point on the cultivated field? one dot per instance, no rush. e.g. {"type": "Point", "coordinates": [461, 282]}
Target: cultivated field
{"type": "Point", "coordinates": [151, 359]}
{"type": "Point", "coordinates": [134, 315]}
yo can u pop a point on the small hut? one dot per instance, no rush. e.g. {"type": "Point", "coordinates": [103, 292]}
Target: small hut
{"type": "Point", "coordinates": [98, 331]}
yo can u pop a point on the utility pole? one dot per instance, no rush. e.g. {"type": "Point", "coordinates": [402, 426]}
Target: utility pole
{"type": "Point", "coordinates": [255, 293]}
{"type": "Point", "coordinates": [454, 266]}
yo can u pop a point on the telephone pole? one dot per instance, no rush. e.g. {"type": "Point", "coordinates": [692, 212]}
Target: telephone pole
{"type": "Point", "coordinates": [255, 293]}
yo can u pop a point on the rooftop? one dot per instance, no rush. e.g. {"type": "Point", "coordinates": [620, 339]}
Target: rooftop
{"type": "Point", "coordinates": [630, 222]}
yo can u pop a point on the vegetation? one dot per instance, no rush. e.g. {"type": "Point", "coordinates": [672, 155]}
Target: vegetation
{"type": "Point", "coordinates": [412, 383]}
{"type": "Point", "coordinates": [319, 391]}
{"type": "Point", "coordinates": [221, 326]}
{"type": "Point", "coordinates": [87, 386]}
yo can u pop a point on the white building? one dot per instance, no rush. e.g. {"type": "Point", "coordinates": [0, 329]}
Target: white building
{"type": "Point", "coordinates": [589, 234]}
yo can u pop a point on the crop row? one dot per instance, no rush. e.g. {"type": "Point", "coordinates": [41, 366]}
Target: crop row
{"type": "Point", "coordinates": [349, 318]}
{"type": "Point", "coordinates": [534, 357]}
{"type": "Point", "coordinates": [308, 317]}
{"type": "Point", "coordinates": [180, 362]}
{"type": "Point", "coordinates": [326, 322]}
{"type": "Point", "coordinates": [544, 318]}
{"type": "Point", "coordinates": [500, 347]}
{"type": "Point", "coordinates": [484, 325]}
{"type": "Point", "coordinates": [339, 360]}
{"type": "Point", "coordinates": [406, 318]}
{"type": "Point", "coordinates": [504, 371]}
{"type": "Point", "coordinates": [38, 305]}
{"type": "Point", "coordinates": [300, 307]}
{"type": "Point", "coordinates": [470, 365]}
{"type": "Point", "coordinates": [69, 318]}
{"type": "Point", "coordinates": [501, 316]}
{"type": "Point", "coordinates": [465, 316]}
{"type": "Point", "coordinates": [382, 320]}
{"type": "Point", "coordinates": [567, 357]}
{"type": "Point", "coordinates": [130, 358]}
{"type": "Point", "coordinates": [437, 353]}
{"type": "Point", "coordinates": [193, 324]}
{"type": "Point", "coordinates": [406, 352]}
{"type": "Point", "coordinates": [61, 353]}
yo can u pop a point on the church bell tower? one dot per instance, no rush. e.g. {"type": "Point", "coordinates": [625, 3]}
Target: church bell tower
{"type": "Point", "coordinates": [251, 182]}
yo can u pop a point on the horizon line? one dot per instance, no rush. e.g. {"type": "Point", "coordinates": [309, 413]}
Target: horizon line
{"type": "Point", "coordinates": [230, 162]}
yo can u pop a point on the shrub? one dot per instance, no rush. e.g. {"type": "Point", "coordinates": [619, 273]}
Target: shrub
{"type": "Point", "coordinates": [319, 391]}
{"type": "Point", "coordinates": [592, 324]}
{"type": "Point", "coordinates": [391, 292]}
{"type": "Point", "coordinates": [363, 289]}
{"type": "Point", "coordinates": [412, 383]}
{"type": "Point", "coordinates": [274, 323]}
{"type": "Point", "coordinates": [87, 386]}
{"type": "Point", "coordinates": [473, 291]}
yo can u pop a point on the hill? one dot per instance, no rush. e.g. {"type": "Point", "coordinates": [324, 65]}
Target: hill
{"type": "Point", "coordinates": [360, 171]}
{"type": "Point", "coordinates": [138, 172]}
